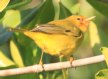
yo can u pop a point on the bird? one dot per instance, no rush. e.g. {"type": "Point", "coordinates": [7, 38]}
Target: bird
{"type": "Point", "coordinates": [59, 37]}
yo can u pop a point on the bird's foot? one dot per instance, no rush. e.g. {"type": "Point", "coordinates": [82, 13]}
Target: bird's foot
{"type": "Point", "coordinates": [41, 63]}
{"type": "Point", "coordinates": [71, 60]}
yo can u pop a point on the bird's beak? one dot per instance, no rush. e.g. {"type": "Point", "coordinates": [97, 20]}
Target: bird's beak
{"type": "Point", "coordinates": [89, 19]}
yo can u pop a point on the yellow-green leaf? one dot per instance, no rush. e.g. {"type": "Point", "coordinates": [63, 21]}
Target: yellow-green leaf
{"type": "Point", "coordinates": [104, 51]}
{"type": "Point", "coordinates": [76, 8]}
{"type": "Point", "coordinates": [102, 74]}
{"type": "Point", "coordinates": [3, 4]}
{"type": "Point", "coordinates": [5, 61]}
{"type": "Point", "coordinates": [94, 35]}
{"type": "Point", "coordinates": [16, 54]}
{"type": "Point", "coordinates": [12, 18]}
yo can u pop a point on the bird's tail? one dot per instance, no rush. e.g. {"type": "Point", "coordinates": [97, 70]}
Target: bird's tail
{"type": "Point", "coordinates": [16, 30]}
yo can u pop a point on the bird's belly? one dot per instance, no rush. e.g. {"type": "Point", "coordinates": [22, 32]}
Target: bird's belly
{"type": "Point", "coordinates": [56, 44]}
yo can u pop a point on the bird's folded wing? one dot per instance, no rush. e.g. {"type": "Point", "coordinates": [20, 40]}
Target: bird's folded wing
{"type": "Point", "coordinates": [54, 29]}
{"type": "Point", "coordinates": [50, 29]}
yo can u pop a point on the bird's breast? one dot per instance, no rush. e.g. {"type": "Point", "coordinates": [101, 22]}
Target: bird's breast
{"type": "Point", "coordinates": [54, 44]}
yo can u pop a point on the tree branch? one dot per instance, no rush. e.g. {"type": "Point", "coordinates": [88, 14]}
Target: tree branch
{"type": "Point", "coordinates": [53, 66]}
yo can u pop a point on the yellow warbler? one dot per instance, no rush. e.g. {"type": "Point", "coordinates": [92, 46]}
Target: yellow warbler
{"type": "Point", "coordinates": [59, 37]}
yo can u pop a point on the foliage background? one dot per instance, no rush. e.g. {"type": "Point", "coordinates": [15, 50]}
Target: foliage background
{"type": "Point", "coordinates": [17, 50]}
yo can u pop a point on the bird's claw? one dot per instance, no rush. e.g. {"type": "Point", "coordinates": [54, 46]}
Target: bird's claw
{"type": "Point", "coordinates": [71, 60]}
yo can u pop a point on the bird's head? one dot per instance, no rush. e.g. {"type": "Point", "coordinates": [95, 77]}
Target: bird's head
{"type": "Point", "coordinates": [80, 21]}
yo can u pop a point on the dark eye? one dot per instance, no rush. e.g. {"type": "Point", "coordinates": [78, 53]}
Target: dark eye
{"type": "Point", "coordinates": [78, 18]}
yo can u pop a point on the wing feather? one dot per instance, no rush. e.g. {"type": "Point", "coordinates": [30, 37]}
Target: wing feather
{"type": "Point", "coordinates": [54, 29]}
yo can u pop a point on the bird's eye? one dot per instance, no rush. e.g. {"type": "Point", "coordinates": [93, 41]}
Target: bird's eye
{"type": "Point", "coordinates": [78, 18]}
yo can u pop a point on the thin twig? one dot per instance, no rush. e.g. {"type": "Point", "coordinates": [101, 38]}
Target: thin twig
{"type": "Point", "coordinates": [52, 66]}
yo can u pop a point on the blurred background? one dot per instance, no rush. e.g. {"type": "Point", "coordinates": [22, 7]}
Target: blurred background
{"type": "Point", "coordinates": [17, 50]}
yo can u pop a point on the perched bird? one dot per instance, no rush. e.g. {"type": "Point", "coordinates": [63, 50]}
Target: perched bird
{"type": "Point", "coordinates": [59, 37]}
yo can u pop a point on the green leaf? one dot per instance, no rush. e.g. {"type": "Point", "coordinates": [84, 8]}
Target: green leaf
{"type": "Point", "coordinates": [102, 74]}
{"type": "Point", "coordinates": [104, 51]}
{"type": "Point", "coordinates": [68, 3]}
{"type": "Point", "coordinates": [85, 9]}
{"type": "Point", "coordinates": [95, 40]}
{"type": "Point", "coordinates": [3, 4]}
{"type": "Point", "coordinates": [100, 5]}
{"type": "Point", "coordinates": [17, 4]}
{"type": "Point", "coordinates": [94, 34]}
{"type": "Point", "coordinates": [28, 15]}
{"type": "Point", "coordinates": [4, 35]}
{"type": "Point", "coordinates": [5, 61]}
{"type": "Point", "coordinates": [64, 12]}
{"type": "Point", "coordinates": [61, 11]}
{"type": "Point", "coordinates": [16, 54]}
{"type": "Point", "coordinates": [12, 18]}
{"type": "Point", "coordinates": [44, 14]}
{"type": "Point", "coordinates": [1, 15]}
{"type": "Point", "coordinates": [75, 9]}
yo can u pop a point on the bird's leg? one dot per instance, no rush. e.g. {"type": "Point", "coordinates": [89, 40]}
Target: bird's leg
{"type": "Point", "coordinates": [40, 62]}
{"type": "Point", "coordinates": [71, 60]}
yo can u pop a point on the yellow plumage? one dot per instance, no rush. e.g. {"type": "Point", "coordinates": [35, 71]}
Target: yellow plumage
{"type": "Point", "coordinates": [56, 45]}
